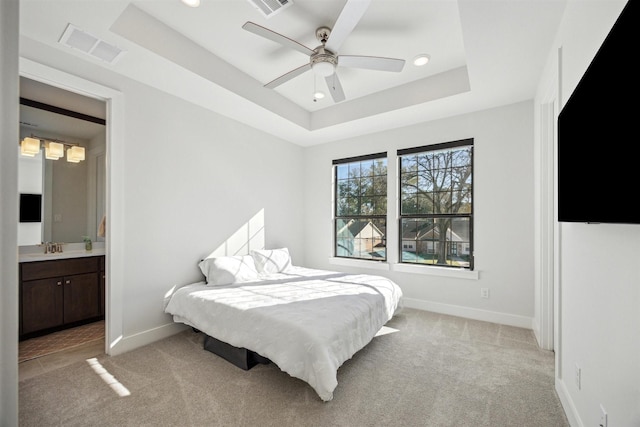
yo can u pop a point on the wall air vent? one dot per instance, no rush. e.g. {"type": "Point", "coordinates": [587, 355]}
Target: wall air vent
{"type": "Point", "coordinates": [78, 39]}
{"type": "Point", "coordinates": [270, 7]}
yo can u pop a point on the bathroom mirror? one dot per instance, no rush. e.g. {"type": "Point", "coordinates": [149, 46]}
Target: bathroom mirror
{"type": "Point", "coordinates": [73, 194]}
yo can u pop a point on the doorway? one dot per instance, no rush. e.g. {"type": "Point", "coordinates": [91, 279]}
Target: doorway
{"type": "Point", "coordinates": [73, 206]}
{"type": "Point", "coordinates": [114, 186]}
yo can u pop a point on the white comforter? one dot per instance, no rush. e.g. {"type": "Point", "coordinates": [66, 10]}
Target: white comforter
{"type": "Point", "coordinates": [308, 322]}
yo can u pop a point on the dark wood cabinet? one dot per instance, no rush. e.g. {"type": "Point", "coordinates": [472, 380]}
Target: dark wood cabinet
{"type": "Point", "coordinates": [42, 304]}
{"type": "Point", "coordinates": [103, 276]}
{"type": "Point", "coordinates": [102, 285]}
{"type": "Point", "coordinates": [60, 293]}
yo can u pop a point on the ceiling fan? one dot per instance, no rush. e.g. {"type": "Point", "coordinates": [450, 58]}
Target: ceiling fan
{"type": "Point", "coordinates": [324, 59]}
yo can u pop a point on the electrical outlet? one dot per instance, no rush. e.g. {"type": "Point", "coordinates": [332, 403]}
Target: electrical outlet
{"type": "Point", "coordinates": [603, 417]}
{"type": "Point", "coordinates": [578, 377]}
{"type": "Point", "coordinates": [484, 292]}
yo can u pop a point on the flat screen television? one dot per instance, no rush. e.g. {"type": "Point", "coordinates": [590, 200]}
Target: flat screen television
{"type": "Point", "coordinates": [598, 148]}
{"type": "Point", "coordinates": [30, 207]}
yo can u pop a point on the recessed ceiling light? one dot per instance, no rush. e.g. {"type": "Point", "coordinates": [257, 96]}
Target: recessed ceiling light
{"type": "Point", "coordinates": [318, 95]}
{"type": "Point", "coordinates": [421, 60]}
{"type": "Point", "coordinates": [191, 3]}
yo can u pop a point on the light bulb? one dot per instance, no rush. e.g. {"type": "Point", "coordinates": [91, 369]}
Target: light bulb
{"type": "Point", "coordinates": [421, 60]}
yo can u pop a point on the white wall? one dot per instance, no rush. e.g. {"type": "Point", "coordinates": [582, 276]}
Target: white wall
{"type": "Point", "coordinates": [599, 274]}
{"type": "Point", "coordinates": [193, 180]}
{"type": "Point", "coordinates": [9, 124]}
{"type": "Point", "coordinates": [503, 213]}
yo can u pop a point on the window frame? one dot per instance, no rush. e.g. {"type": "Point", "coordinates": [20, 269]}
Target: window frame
{"type": "Point", "coordinates": [336, 217]}
{"type": "Point", "coordinates": [468, 142]}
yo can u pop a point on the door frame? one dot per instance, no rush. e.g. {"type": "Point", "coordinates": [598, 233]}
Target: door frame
{"type": "Point", "coordinates": [114, 238]}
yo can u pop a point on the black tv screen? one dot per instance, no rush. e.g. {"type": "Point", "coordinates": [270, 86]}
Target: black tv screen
{"type": "Point", "coordinates": [598, 149]}
{"type": "Point", "coordinates": [30, 207]}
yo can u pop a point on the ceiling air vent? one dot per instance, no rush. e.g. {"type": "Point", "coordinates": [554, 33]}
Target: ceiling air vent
{"type": "Point", "coordinates": [270, 7]}
{"type": "Point", "coordinates": [78, 39]}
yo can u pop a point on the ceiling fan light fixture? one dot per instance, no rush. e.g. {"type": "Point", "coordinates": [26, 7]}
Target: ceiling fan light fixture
{"type": "Point", "coordinates": [421, 60]}
{"type": "Point", "coordinates": [323, 62]}
{"type": "Point", "coordinates": [323, 69]}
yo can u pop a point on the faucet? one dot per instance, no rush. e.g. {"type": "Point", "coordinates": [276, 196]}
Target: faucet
{"type": "Point", "coordinates": [52, 247]}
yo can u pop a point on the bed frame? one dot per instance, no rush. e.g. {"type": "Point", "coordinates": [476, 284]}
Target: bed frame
{"type": "Point", "coordinates": [241, 357]}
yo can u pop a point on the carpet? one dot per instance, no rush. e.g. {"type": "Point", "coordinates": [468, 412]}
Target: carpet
{"type": "Point", "coordinates": [430, 370]}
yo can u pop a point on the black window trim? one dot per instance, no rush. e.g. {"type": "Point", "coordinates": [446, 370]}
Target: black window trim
{"type": "Point", "coordinates": [381, 155]}
{"type": "Point", "coordinates": [360, 158]}
{"type": "Point", "coordinates": [422, 149]}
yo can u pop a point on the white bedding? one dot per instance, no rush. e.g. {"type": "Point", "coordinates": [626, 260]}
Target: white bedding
{"type": "Point", "coordinates": [308, 322]}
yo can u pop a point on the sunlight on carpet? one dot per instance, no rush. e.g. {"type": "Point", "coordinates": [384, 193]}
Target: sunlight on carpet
{"type": "Point", "coordinates": [386, 330]}
{"type": "Point", "coordinates": [115, 385]}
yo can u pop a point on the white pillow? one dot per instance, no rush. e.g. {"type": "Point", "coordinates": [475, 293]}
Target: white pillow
{"type": "Point", "coordinates": [269, 261]}
{"type": "Point", "coordinates": [228, 269]}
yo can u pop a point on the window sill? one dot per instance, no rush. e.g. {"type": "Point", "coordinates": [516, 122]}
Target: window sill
{"type": "Point", "coordinates": [436, 271]}
{"type": "Point", "coordinates": [407, 268]}
{"type": "Point", "coordinates": [374, 265]}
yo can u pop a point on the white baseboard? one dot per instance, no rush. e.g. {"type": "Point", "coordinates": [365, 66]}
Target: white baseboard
{"type": "Point", "coordinates": [567, 404]}
{"type": "Point", "coordinates": [470, 313]}
{"type": "Point", "coordinates": [146, 337]}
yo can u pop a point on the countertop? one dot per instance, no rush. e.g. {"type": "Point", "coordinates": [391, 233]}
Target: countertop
{"type": "Point", "coordinates": [29, 255]}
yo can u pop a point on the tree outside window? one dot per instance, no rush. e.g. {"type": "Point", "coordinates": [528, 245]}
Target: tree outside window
{"type": "Point", "coordinates": [436, 204]}
{"type": "Point", "coordinates": [360, 219]}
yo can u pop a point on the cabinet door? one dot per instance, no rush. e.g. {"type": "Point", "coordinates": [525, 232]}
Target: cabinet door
{"type": "Point", "coordinates": [81, 297]}
{"type": "Point", "coordinates": [102, 292]}
{"type": "Point", "coordinates": [42, 304]}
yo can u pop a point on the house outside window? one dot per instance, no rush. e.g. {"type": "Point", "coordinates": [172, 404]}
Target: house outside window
{"type": "Point", "coordinates": [436, 205]}
{"type": "Point", "coordinates": [360, 217]}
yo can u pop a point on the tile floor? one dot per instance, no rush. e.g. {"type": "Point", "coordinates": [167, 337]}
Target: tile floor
{"type": "Point", "coordinates": [42, 354]}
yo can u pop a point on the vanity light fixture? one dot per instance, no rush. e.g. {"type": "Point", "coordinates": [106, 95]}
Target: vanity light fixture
{"type": "Point", "coordinates": [53, 149]}
{"type": "Point", "coordinates": [75, 154]}
{"type": "Point", "coordinates": [29, 147]}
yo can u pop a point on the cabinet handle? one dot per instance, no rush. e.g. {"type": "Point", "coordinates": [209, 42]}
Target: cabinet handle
{"type": "Point", "coordinates": [68, 281]}
{"type": "Point", "coordinates": [59, 282]}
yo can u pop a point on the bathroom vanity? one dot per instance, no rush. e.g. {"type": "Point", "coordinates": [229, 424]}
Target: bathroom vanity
{"type": "Point", "coordinates": [59, 291]}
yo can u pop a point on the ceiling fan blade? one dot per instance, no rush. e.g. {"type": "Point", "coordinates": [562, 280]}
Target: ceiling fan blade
{"type": "Point", "coordinates": [349, 17]}
{"type": "Point", "coordinates": [371, 62]}
{"type": "Point", "coordinates": [335, 88]}
{"type": "Point", "coordinates": [288, 76]}
{"type": "Point", "coordinates": [276, 37]}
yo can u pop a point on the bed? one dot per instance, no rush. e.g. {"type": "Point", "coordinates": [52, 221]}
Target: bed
{"type": "Point", "coordinates": [306, 321]}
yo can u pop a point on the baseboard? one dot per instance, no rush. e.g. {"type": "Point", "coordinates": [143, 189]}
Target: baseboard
{"type": "Point", "coordinates": [567, 404]}
{"type": "Point", "coordinates": [146, 337]}
{"type": "Point", "coordinates": [470, 313]}
{"type": "Point", "coordinates": [536, 332]}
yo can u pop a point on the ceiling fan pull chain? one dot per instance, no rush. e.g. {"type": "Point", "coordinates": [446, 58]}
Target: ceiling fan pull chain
{"type": "Point", "coordinates": [315, 91]}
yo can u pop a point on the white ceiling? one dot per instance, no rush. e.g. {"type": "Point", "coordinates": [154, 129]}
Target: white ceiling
{"type": "Point", "coordinates": [484, 53]}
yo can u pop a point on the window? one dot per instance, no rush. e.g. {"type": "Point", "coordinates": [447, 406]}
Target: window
{"type": "Point", "coordinates": [436, 204]}
{"type": "Point", "coordinates": [360, 219]}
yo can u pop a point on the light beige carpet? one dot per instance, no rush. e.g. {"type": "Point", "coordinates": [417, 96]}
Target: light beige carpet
{"type": "Point", "coordinates": [436, 370]}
